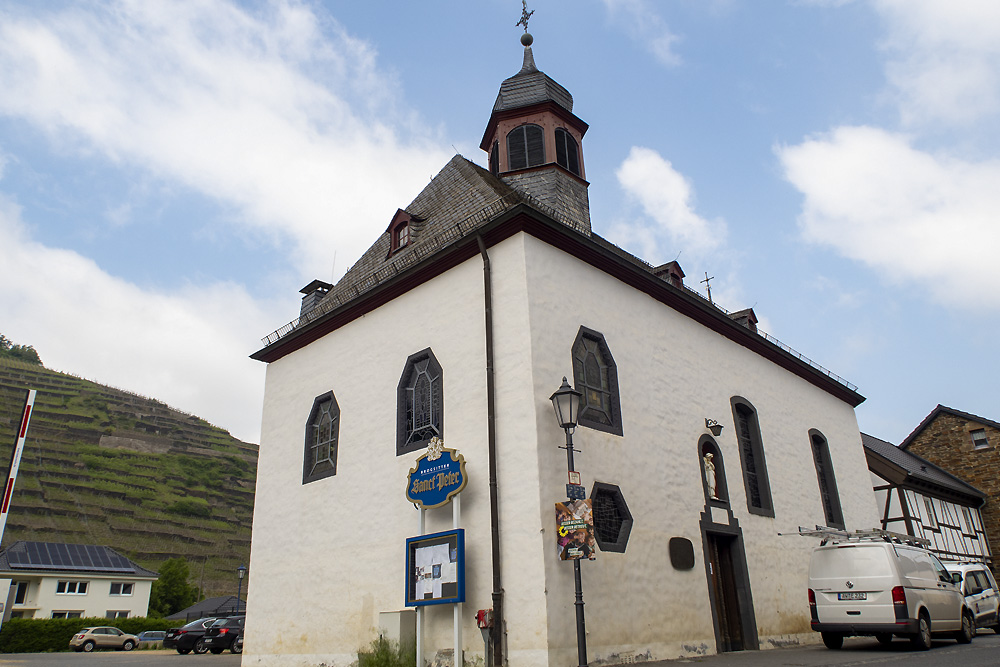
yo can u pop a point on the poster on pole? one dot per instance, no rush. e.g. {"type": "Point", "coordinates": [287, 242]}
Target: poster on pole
{"type": "Point", "coordinates": [575, 530]}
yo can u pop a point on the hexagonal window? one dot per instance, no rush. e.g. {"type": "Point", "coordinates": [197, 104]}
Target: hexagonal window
{"type": "Point", "coordinates": [612, 520]}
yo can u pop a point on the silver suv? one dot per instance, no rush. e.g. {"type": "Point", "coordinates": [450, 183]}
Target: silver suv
{"type": "Point", "coordinates": [980, 591]}
{"type": "Point", "coordinates": [882, 587]}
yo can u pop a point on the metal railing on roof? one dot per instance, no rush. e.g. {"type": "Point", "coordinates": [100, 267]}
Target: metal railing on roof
{"type": "Point", "coordinates": [427, 247]}
{"type": "Point", "coordinates": [423, 249]}
{"type": "Point", "coordinates": [777, 343]}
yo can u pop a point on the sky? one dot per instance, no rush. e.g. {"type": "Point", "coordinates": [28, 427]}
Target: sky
{"type": "Point", "coordinates": [172, 173]}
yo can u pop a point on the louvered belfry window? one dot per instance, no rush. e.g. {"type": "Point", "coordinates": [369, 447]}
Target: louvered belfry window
{"type": "Point", "coordinates": [525, 147]}
{"type": "Point", "coordinates": [420, 403]}
{"type": "Point", "coordinates": [495, 158]}
{"type": "Point", "coordinates": [567, 155]}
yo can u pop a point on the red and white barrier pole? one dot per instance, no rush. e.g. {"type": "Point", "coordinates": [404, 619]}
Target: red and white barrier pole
{"type": "Point", "coordinates": [15, 460]}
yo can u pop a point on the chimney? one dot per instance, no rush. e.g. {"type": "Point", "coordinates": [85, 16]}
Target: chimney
{"type": "Point", "coordinates": [671, 272]}
{"type": "Point", "coordinates": [314, 293]}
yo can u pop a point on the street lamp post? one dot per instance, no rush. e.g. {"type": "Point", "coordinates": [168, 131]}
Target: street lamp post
{"type": "Point", "coordinates": [566, 402]}
{"type": "Point", "coordinates": [242, 571]}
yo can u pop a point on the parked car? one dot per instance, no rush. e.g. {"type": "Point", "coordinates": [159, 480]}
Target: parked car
{"type": "Point", "coordinates": [102, 637]}
{"type": "Point", "coordinates": [223, 634]}
{"type": "Point", "coordinates": [884, 588]}
{"type": "Point", "coordinates": [980, 591]}
{"type": "Point", "coordinates": [189, 637]}
{"type": "Point", "coordinates": [150, 636]}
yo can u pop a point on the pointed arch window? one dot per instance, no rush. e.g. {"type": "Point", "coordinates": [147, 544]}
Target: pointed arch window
{"type": "Point", "coordinates": [596, 376]}
{"type": "Point", "coordinates": [827, 480]}
{"type": "Point", "coordinates": [525, 147]}
{"type": "Point", "coordinates": [752, 458]}
{"type": "Point", "coordinates": [567, 155]}
{"type": "Point", "coordinates": [419, 403]}
{"type": "Point", "coordinates": [322, 436]}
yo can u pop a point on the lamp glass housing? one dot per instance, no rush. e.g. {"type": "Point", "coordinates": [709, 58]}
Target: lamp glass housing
{"type": "Point", "coordinates": [566, 403]}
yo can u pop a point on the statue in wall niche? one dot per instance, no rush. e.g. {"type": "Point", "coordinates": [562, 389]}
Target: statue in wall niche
{"type": "Point", "coordinates": [710, 478]}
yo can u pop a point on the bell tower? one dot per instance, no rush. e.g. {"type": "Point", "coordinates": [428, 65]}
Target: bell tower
{"type": "Point", "coordinates": [535, 142]}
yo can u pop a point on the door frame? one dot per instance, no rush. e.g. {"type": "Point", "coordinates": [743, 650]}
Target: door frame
{"type": "Point", "coordinates": [741, 577]}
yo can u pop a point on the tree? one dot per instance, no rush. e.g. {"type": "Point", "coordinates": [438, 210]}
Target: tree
{"type": "Point", "coordinates": [172, 592]}
{"type": "Point", "coordinates": [21, 352]}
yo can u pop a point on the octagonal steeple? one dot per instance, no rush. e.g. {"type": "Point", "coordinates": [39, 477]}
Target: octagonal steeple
{"type": "Point", "coordinates": [535, 142]}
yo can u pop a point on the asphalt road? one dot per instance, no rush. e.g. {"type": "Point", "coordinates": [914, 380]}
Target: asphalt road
{"type": "Point", "coordinates": [984, 651]}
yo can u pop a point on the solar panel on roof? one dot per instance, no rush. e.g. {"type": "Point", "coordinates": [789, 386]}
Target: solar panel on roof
{"type": "Point", "coordinates": [55, 556]}
{"type": "Point", "coordinates": [71, 555]}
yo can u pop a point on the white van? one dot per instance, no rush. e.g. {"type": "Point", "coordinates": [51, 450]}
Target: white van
{"type": "Point", "coordinates": [884, 588]}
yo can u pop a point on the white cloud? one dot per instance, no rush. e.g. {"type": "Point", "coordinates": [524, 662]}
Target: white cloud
{"type": "Point", "coordinates": [643, 23]}
{"type": "Point", "coordinates": [913, 216]}
{"type": "Point", "coordinates": [187, 348]}
{"type": "Point", "coordinates": [945, 58]}
{"type": "Point", "coordinates": [667, 201]}
{"type": "Point", "coordinates": [270, 112]}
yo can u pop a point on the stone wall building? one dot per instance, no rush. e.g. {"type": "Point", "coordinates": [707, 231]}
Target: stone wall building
{"type": "Point", "coordinates": [968, 447]}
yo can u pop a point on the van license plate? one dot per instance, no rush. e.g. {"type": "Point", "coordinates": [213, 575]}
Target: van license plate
{"type": "Point", "coordinates": [852, 596]}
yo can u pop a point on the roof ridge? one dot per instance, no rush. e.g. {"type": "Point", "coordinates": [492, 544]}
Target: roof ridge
{"type": "Point", "coordinates": [908, 440]}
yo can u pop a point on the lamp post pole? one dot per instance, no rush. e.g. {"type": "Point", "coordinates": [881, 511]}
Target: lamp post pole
{"type": "Point", "coordinates": [581, 626]}
{"type": "Point", "coordinates": [242, 571]}
{"type": "Point", "coordinates": [566, 402]}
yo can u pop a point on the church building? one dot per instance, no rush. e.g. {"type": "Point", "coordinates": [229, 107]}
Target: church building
{"type": "Point", "coordinates": [699, 440]}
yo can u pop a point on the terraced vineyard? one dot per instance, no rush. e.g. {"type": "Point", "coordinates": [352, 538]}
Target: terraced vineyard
{"type": "Point", "coordinates": [104, 466]}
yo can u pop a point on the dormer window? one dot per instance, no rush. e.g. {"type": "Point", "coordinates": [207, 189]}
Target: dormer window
{"type": "Point", "coordinates": [525, 147]}
{"type": "Point", "coordinates": [567, 155]}
{"type": "Point", "coordinates": [399, 231]}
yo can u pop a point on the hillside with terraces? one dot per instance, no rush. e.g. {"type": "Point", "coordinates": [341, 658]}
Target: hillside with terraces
{"type": "Point", "coordinates": [105, 466]}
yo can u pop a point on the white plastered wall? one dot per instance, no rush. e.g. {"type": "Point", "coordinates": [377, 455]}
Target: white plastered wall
{"type": "Point", "coordinates": [328, 556]}
{"type": "Point", "coordinates": [41, 598]}
{"type": "Point", "coordinates": [673, 373]}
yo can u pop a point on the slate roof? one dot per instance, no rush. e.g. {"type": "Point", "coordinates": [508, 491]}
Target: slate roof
{"type": "Point", "coordinates": [531, 86]}
{"type": "Point", "coordinates": [917, 468]}
{"type": "Point", "coordinates": [942, 409]}
{"type": "Point", "coordinates": [56, 557]}
{"type": "Point", "coordinates": [460, 198]}
{"type": "Point", "coordinates": [224, 605]}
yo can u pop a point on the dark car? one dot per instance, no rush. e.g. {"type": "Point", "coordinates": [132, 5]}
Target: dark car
{"type": "Point", "coordinates": [223, 634]}
{"type": "Point", "coordinates": [189, 637]}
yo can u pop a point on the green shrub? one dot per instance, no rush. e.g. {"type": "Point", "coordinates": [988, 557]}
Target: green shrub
{"type": "Point", "coordinates": [191, 507]}
{"type": "Point", "coordinates": [387, 653]}
{"type": "Point", "coordinates": [45, 635]}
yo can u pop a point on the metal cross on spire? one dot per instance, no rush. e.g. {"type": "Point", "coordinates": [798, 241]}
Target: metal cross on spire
{"type": "Point", "coordinates": [525, 15]}
{"type": "Point", "coordinates": [708, 285]}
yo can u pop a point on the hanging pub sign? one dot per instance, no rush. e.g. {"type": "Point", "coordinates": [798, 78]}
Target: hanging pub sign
{"type": "Point", "coordinates": [575, 530]}
{"type": "Point", "coordinates": [439, 475]}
